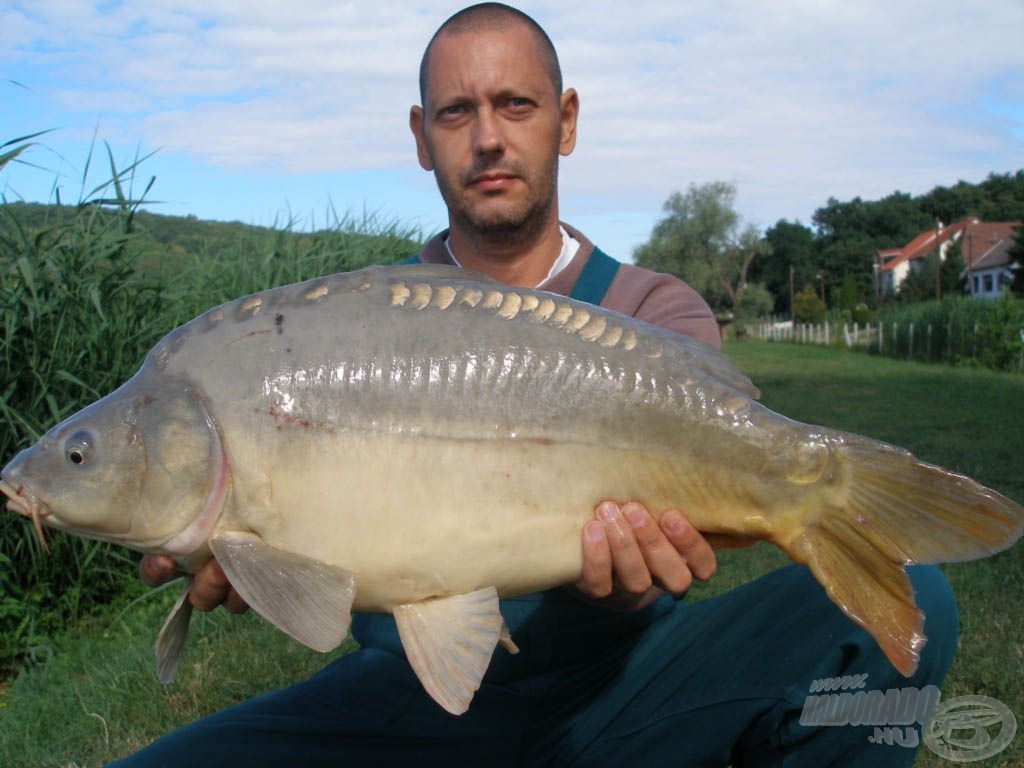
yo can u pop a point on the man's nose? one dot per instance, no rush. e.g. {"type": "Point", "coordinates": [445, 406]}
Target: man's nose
{"type": "Point", "coordinates": [488, 137]}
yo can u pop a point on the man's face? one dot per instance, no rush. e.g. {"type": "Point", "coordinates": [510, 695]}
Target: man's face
{"type": "Point", "coordinates": [492, 129]}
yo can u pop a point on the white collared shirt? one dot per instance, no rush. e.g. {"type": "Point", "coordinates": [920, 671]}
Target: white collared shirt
{"type": "Point", "coordinates": [570, 246]}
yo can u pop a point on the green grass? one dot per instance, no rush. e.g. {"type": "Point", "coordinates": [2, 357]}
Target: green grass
{"type": "Point", "coordinates": [968, 420]}
{"type": "Point", "coordinates": [96, 698]}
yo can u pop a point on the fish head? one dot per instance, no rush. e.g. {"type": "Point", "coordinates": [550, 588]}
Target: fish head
{"type": "Point", "coordinates": [137, 467]}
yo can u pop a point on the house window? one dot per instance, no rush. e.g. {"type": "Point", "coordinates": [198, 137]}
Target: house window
{"type": "Point", "coordinates": [987, 282]}
{"type": "Point", "coordinates": [977, 284]}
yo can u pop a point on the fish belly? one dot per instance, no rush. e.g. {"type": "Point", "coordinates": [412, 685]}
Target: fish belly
{"type": "Point", "coordinates": [419, 517]}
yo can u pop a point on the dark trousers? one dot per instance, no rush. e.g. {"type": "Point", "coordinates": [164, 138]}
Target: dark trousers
{"type": "Point", "coordinates": [716, 682]}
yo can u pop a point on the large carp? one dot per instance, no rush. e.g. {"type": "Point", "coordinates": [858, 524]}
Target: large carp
{"type": "Point", "coordinates": [423, 441]}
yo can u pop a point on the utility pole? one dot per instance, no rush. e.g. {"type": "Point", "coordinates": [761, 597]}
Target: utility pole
{"type": "Point", "coordinates": [970, 259]}
{"type": "Point", "coordinates": [938, 259]}
{"type": "Point", "coordinates": [792, 295]}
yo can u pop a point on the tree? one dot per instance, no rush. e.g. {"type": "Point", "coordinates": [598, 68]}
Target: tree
{"type": "Point", "coordinates": [702, 241]}
{"type": "Point", "coordinates": [920, 283]}
{"type": "Point", "coordinates": [792, 261]}
{"type": "Point", "coordinates": [1016, 254]}
{"type": "Point", "coordinates": [847, 296]}
{"type": "Point", "coordinates": [757, 302]}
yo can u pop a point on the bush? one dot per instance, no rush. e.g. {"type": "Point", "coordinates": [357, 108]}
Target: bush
{"type": "Point", "coordinates": [756, 302]}
{"type": "Point", "coordinates": [807, 307]}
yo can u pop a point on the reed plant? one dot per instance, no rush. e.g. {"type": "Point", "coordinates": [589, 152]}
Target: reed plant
{"type": "Point", "coordinates": [75, 317]}
{"type": "Point", "coordinates": [83, 297]}
{"type": "Point", "coordinates": [957, 330]}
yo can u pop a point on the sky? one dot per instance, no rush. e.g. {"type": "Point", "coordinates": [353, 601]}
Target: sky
{"type": "Point", "coordinates": [270, 112]}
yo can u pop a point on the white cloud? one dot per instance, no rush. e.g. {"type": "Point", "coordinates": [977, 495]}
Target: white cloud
{"type": "Point", "coordinates": [793, 101]}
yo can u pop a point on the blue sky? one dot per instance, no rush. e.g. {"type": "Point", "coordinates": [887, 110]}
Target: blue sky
{"type": "Point", "coordinates": [266, 111]}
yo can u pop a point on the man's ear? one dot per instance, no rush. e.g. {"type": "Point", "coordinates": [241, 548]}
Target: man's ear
{"type": "Point", "coordinates": [416, 126]}
{"type": "Point", "coordinates": [570, 109]}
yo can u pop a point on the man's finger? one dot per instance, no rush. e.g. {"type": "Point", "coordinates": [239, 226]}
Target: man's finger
{"type": "Point", "coordinates": [596, 579]}
{"type": "Point", "coordinates": [210, 587]}
{"type": "Point", "coordinates": [630, 568]}
{"type": "Point", "coordinates": [234, 602]}
{"type": "Point", "coordinates": [689, 543]}
{"type": "Point", "coordinates": [667, 566]}
{"type": "Point", "coordinates": [155, 570]}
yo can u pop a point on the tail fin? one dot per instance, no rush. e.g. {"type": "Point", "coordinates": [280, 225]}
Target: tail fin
{"type": "Point", "coordinates": [897, 511]}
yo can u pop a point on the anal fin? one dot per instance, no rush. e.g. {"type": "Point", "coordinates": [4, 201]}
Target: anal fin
{"type": "Point", "coordinates": [868, 587]}
{"type": "Point", "coordinates": [307, 599]}
{"type": "Point", "coordinates": [449, 642]}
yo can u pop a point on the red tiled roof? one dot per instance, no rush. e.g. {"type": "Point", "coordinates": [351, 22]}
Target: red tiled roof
{"type": "Point", "coordinates": [978, 238]}
{"type": "Point", "coordinates": [981, 239]}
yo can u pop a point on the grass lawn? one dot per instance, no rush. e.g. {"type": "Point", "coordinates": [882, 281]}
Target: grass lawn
{"type": "Point", "coordinates": [971, 421]}
{"type": "Point", "coordinates": [97, 698]}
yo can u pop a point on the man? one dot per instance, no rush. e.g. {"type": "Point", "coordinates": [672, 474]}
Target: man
{"type": "Point", "coordinates": [613, 670]}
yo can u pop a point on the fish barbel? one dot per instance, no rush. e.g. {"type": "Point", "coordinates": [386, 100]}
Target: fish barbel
{"type": "Point", "coordinates": [422, 441]}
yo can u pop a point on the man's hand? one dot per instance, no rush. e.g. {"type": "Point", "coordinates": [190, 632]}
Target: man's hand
{"type": "Point", "coordinates": [629, 557]}
{"type": "Point", "coordinates": [210, 587]}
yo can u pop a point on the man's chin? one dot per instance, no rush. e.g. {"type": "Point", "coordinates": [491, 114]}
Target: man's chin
{"type": "Point", "coordinates": [496, 223]}
{"type": "Point", "coordinates": [503, 215]}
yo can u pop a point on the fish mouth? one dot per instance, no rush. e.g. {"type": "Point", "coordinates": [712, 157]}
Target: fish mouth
{"type": "Point", "coordinates": [27, 505]}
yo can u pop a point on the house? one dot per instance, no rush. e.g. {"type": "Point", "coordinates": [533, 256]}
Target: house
{"type": "Point", "coordinates": [983, 245]}
{"type": "Point", "coordinates": [989, 268]}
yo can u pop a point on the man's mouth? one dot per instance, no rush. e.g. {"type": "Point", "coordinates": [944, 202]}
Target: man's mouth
{"type": "Point", "coordinates": [492, 182]}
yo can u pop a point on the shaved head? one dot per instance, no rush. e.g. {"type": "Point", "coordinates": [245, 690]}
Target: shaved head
{"type": "Point", "coordinates": [492, 17]}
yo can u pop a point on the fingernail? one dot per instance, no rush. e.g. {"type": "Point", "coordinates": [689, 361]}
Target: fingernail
{"type": "Point", "coordinates": [672, 522]}
{"type": "Point", "coordinates": [594, 531]}
{"type": "Point", "coordinates": [634, 515]}
{"type": "Point", "coordinates": [612, 517]}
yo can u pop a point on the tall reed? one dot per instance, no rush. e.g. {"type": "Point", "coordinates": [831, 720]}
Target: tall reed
{"type": "Point", "coordinates": [75, 318]}
{"type": "Point", "coordinates": [957, 330]}
{"type": "Point", "coordinates": [79, 309]}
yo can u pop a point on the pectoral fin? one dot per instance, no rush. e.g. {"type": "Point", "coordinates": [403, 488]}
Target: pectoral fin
{"type": "Point", "coordinates": [170, 643]}
{"type": "Point", "coordinates": [306, 599]}
{"type": "Point", "coordinates": [449, 642]}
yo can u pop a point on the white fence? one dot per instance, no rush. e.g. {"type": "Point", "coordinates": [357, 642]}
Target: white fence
{"type": "Point", "coordinates": [906, 341]}
{"type": "Point", "coordinates": [851, 334]}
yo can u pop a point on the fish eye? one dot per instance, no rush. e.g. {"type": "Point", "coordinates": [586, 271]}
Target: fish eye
{"type": "Point", "coordinates": [78, 448]}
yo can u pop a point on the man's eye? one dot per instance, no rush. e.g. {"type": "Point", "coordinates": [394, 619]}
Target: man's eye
{"type": "Point", "coordinates": [518, 105]}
